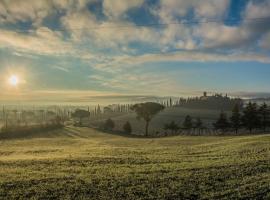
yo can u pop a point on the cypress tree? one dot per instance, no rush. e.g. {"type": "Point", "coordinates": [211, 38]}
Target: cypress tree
{"type": "Point", "coordinates": [250, 117]}
{"type": "Point", "coordinates": [198, 124]}
{"type": "Point", "coordinates": [236, 118]}
{"type": "Point", "coordinates": [264, 114]}
{"type": "Point", "coordinates": [127, 127]}
{"type": "Point", "coordinates": [172, 126]}
{"type": "Point", "coordinates": [109, 124]}
{"type": "Point", "coordinates": [98, 110]}
{"type": "Point", "coordinates": [222, 122]}
{"type": "Point", "coordinates": [187, 124]}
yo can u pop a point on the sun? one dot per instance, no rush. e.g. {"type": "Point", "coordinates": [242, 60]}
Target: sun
{"type": "Point", "coordinates": [13, 80]}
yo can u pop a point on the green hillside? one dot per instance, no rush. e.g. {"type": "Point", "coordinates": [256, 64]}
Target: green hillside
{"type": "Point", "coordinates": [82, 163]}
{"type": "Point", "coordinates": [176, 114]}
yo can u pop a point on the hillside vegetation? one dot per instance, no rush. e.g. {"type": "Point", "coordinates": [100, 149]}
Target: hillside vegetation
{"type": "Point", "coordinates": [82, 163]}
{"type": "Point", "coordinates": [176, 114]}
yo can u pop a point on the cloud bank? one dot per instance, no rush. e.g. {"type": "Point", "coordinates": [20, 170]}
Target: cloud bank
{"type": "Point", "coordinates": [107, 38]}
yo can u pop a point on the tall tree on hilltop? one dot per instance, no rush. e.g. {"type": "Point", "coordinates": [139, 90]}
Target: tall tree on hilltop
{"type": "Point", "coordinates": [236, 118]}
{"type": "Point", "coordinates": [147, 111]}
{"type": "Point", "coordinates": [250, 117]}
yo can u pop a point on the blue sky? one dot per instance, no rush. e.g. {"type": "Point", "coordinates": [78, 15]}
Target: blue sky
{"type": "Point", "coordinates": [76, 49]}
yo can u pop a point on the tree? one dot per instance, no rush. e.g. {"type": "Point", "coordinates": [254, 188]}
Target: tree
{"type": "Point", "coordinates": [187, 124]}
{"type": "Point", "coordinates": [250, 117]}
{"type": "Point", "coordinates": [236, 118]}
{"type": "Point", "coordinates": [147, 111]}
{"type": "Point", "coordinates": [127, 127]}
{"type": "Point", "coordinates": [109, 124]}
{"type": "Point", "coordinates": [98, 110]}
{"type": "Point", "coordinates": [57, 120]}
{"type": "Point", "coordinates": [15, 115]}
{"type": "Point", "coordinates": [27, 115]}
{"type": "Point", "coordinates": [79, 113]}
{"type": "Point", "coordinates": [50, 115]}
{"type": "Point", "coordinates": [264, 114]}
{"type": "Point", "coordinates": [172, 126]}
{"type": "Point", "coordinates": [107, 110]}
{"type": "Point", "coordinates": [198, 124]}
{"type": "Point", "coordinates": [222, 122]}
{"type": "Point", "coordinates": [41, 115]}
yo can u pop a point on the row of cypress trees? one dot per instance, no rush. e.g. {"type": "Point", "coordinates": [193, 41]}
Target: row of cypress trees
{"type": "Point", "coordinates": [250, 117]}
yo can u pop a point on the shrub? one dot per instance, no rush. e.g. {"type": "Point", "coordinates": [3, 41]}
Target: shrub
{"type": "Point", "coordinates": [127, 127]}
{"type": "Point", "coordinates": [109, 124]}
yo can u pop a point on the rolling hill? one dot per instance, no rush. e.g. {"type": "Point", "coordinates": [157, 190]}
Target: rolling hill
{"type": "Point", "coordinates": [82, 163]}
{"type": "Point", "coordinates": [176, 114]}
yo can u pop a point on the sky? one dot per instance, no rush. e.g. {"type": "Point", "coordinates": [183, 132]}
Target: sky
{"type": "Point", "coordinates": [75, 50]}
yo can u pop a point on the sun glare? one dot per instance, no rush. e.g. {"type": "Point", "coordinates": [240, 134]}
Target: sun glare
{"type": "Point", "coordinates": [13, 80]}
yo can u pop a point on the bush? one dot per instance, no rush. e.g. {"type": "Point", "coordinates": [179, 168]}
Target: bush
{"type": "Point", "coordinates": [109, 124]}
{"type": "Point", "coordinates": [172, 126]}
{"type": "Point", "coordinates": [127, 127]}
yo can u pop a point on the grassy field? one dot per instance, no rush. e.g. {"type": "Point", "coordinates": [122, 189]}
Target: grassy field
{"type": "Point", "coordinates": [82, 163]}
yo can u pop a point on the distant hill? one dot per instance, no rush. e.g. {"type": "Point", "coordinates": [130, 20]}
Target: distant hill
{"type": "Point", "coordinates": [259, 100]}
{"type": "Point", "coordinates": [216, 101]}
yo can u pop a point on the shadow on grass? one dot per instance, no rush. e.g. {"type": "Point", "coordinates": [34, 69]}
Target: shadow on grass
{"type": "Point", "coordinates": [29, 131]}
{"type": "Point", "coordinates": [181, 133]}
{"type": "Point", "coordinates": [128, 135]}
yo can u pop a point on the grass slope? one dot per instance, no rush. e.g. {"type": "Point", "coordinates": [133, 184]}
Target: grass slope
{"type": "Point", "coordinates": [81, 163]}
{"type": "Point", "coordinates": [176, 114]}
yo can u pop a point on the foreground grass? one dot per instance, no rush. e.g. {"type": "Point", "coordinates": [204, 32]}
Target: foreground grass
{"type": "Point", "coordinates": [81, 163]}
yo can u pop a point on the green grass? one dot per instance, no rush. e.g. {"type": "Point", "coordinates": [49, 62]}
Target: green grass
{"type": "Point", "coordinates": [81, 163]}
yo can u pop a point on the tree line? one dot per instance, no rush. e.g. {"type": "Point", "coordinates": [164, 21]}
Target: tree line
{"type": "Point", "coordinates": [19, 117]}
{"type": "Point", "coordinates": [248, 117]}
{"type": "Point", "coordinates": [251, 117]}
{"type": "Point", "coordinates": [216, 101]}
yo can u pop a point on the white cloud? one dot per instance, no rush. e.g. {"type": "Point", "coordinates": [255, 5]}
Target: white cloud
{"type": "Point", "coordinates": [265, 41]}
{"type": "Point", "coordinates": [84, 26]}
{"type": "Point", "coordinates": [117, 34]}
{"type": "Point", "coordinates": [184, 56]}
{"type": "Point", "coordinates": [115, 8]}
{"type": "Point", "coordinates": [36, 11]}
{"type": "Point", "coordinates": [172, 9]}
{"type": "Point", "coordinates": [64, 69]}
{"type": "Point", "coordinates": [79, 23]}
{"type": "Point", "coordinates": [257, 9]}
{"type": "Point", "coordinates": [138, 82]}
{"type": "Point", "coordinates": [42, 41]}
{"type": "Point", "coordinates": [222, 36]}
{"type": "Point", "coordinates": [211, 8]}
{"type": "Point", "coordinates": [17, 10]}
